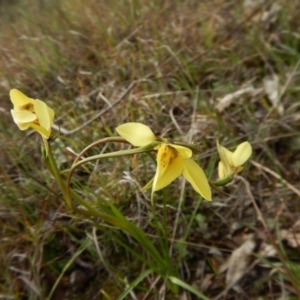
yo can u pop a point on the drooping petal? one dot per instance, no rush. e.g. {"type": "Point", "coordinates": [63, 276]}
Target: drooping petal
{"type": "Point", "coordinates": [41, 130]}
{"type": "Point", "coordinates": [197, 178]}
{"type": "Point", "coordinates": [136, 134]}
{"type": "Point", "coordinates": [241, 154]}
{"type": "Point", "coordinates": [23, 116]}
{"type": "Point", "coordinates": [19, 99]}
{"type": "Point", "coordinates": [164, 155]}
{"type": "Point", "coordinates": [173, 171]}
{"type": "Point", "coordinates": [44, 114]}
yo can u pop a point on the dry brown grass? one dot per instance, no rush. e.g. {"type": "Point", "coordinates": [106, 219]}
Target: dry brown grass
{"type": "Point", "coordinates": [185, 58]}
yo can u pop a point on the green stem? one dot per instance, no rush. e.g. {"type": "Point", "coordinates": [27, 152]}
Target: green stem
{"type": "Point", "coordinates": [55, 172]}
{"type": "Point", "coordinates": [223, 181]}
{"type": "Point", "coordinates": [116, 154]}
{"type": "Point", "coordinates": [110, 213]}
{"type": "Point", "coordinates": [76, 164]}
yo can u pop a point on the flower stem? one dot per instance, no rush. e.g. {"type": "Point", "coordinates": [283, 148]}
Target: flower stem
{"type": "Point", "coordinates": [50, 162]}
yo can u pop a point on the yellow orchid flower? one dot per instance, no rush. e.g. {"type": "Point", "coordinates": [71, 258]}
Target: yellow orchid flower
{"type": "Point", "coordinates": [172, 160]}
{"type": "Point", "coordinates": [231, 162]}
{"type": "Point", "coordinates": [31, 113]}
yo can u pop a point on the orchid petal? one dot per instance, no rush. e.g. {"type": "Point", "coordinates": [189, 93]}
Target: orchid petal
{"type": "Point", "coordinates": [241, 154]}
{"type": "Point", "coordinates": [225, 155]}
{"type": "Point", "coordinates": [19, 99]}
{"type": "Point", "coordinates": [173, 171]}
{"type": "Point", "coordinates": [164, 156]}
{"type": "Point", "coordinates": [136, 134]}
{"type": "Point", "coordinates": [183, 151]}
{"type": "Point", "coordinates": [23, 116]}
{"type": "Point", "coordinates": [225, 164]}
{"type": "Point", "coordinates": [23, 126]}
{"type": "Point", "coordinates": [44, 114]}
{"type": "Point", "coordinates": [41, 130]}
{"type": "Point", "coordinates": [221, 170]}
{"type": "Point", "coordinates": [197, 178]}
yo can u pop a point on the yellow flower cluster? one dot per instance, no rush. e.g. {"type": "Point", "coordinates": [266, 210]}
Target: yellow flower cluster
{"type": "Point", "coordinates": [172, 160]}
{"type": "Point", "coordinates": [175, 160]}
